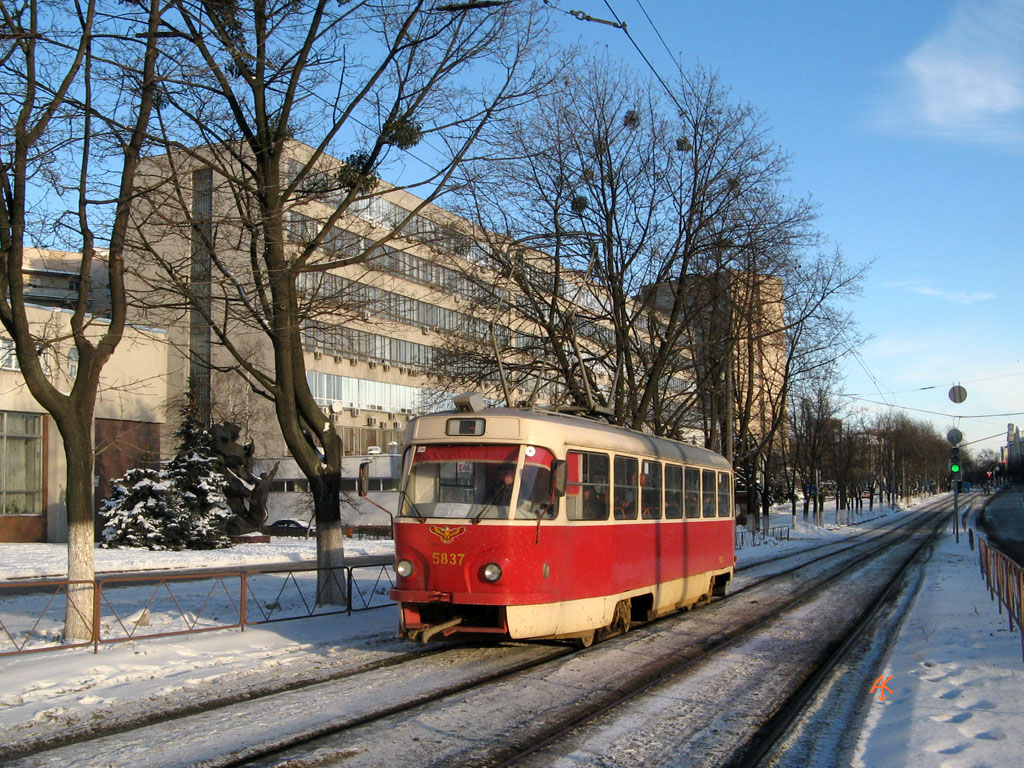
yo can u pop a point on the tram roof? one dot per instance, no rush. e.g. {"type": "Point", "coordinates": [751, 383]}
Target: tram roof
{"type": "Point", "coordinates": [581, 432]}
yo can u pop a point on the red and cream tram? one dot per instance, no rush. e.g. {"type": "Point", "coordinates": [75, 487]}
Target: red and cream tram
{"type": "Point", "coordinates": [537, 525]}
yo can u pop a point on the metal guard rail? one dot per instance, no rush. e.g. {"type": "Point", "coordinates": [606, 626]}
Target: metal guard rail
{"type": "Point", "coordinates": [139, 606]}
{"type": "Point", "coordinates": [754, 538]}
{"type": "Point", "coordinates": [1005, 581]}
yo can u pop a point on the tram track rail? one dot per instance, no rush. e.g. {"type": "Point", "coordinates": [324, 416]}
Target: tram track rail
{"type": "Point", "coordinates": [751, 751]}
{"type": "Point", "coordinates": [651, 677]}
{"type": "Point", "coordinates": [501, 669]}
{"type": "Point", "coordinates": [763, 743]}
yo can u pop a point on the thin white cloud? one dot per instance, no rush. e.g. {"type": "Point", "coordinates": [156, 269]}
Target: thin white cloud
{"type": "Point", "coordinates": [956, 296]}
{"type": "Point", "coordinates": [967, 79]}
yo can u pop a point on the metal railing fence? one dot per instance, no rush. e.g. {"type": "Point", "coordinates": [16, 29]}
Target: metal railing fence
{"type": "Point", "coordinates": [139, 606]}
{"type": "Point", "coordinates": [1005, 582]}
{"type": "Point", "coordinates": [755, 538]}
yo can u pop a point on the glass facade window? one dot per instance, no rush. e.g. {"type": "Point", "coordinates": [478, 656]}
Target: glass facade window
{"type": "Point", "coordinates": [341, 341]}
{"type": "Point", "coordinates": [375, 302]}
{"type": "Point", "coordinates": [329, 388]}
{"type": "Point", "coordinates": [302, 229]}
{"type": "Point", "coordinates": [21, 463]}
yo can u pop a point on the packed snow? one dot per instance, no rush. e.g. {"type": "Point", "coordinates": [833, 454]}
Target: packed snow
{"type": "Point", "coordinates": [953, 694]}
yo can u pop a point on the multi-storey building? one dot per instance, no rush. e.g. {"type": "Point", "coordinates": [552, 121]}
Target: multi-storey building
{"type": "Point", "coordinates": [371, 330]}
{"type": "Point", "coordinates": [129, 408]}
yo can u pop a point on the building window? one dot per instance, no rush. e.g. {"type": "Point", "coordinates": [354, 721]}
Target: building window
{"type": "Point", "coordinates": [21, 463]}
{"type": "Point", "coordinates": [8, 359]}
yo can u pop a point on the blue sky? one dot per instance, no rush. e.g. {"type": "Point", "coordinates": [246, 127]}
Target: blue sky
{"type": "Point", "coordinates": [905, 124]}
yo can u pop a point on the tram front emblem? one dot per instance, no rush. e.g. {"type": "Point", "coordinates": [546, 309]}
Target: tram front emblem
{"type": "Point", "coordinates": [447, 533]}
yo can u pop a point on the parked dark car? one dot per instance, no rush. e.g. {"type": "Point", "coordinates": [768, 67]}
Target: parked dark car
{"type": "Point", "coordinates": [287, 527]}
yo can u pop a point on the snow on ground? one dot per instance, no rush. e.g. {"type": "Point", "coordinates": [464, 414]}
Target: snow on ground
{"type": "Point", "coordinates": [954, 676]}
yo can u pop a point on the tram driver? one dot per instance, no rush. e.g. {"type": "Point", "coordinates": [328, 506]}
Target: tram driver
{"type": "Point", "coordinates": [500, 494]}
{"type": "Point", "coordinates": [595, 504]}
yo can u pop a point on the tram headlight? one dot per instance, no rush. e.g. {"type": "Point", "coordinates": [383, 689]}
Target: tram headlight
{"type": "Point", "coordinates": [404, 568]}
{"type": "Point", "coordinates": [492, 572]}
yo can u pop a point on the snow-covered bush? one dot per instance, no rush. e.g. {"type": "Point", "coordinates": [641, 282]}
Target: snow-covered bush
{"type": "Point", "coordinates": [180, 507]}
{"type": "Point", "coordinates": [144, 510]}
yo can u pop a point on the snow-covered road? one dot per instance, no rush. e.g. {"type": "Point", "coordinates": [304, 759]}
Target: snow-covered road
{"type": "Point", "coordinates": [960, 645]}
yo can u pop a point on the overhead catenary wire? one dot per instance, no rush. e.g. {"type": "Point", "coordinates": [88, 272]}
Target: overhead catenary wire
{"type": "Point", "coordinates": [935, 386]}
{"type": "Point", "coordinates": [935, 413]}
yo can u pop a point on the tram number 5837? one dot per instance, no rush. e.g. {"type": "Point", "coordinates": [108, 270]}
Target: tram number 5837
{"type": "Point", "coordinates": [447, 558]}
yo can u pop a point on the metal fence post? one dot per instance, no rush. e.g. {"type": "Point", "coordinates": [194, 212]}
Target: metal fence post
{"type": "Point", "coordinates": [95, 616]}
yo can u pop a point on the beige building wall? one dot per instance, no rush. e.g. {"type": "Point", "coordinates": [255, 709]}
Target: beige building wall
{"type": "Point", "coordinates": [133, 392]}
{"type": "Point", "coordinates": [370, 392]}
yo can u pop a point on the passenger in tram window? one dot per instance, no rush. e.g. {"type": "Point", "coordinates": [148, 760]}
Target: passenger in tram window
{"type": "Point", "coordinates": [629, 501]}
{"type": "Point", "coordinates": [595, 504]}
{"type": "Point", "coordinates": [625, 488]}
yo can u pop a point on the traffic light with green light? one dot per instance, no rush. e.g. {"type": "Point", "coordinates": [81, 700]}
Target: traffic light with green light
{"type": "Point", "coordinates": [954, 459]}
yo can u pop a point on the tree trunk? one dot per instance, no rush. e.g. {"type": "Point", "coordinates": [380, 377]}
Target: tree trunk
{"type": "Point", "coordinates": [331, 588]}
{"type": "Point", "coordinates": [78, 450]}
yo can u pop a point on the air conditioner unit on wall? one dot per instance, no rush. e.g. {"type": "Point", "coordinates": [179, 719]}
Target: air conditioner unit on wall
{"type": "Point", "coordinates": [353, 411]}
{"type": "Point", "coordinates": [317, 355]}
{"type": "Point", "coordinates": [371, 421]}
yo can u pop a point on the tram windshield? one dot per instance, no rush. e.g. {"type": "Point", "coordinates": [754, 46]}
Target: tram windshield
{"type": "Point", "coordinates": [479, 482]}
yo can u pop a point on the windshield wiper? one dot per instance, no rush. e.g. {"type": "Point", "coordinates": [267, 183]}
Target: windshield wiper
{"type": "Point", "coordinates": [412, 506]}
{"type": "Point", "coordinates": [485, 508]}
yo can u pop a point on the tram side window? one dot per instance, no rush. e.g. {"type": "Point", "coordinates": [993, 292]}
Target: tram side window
{"type": "Point", "coordinates": [650, 490]}
{"type": "Point", "coordinates": [724, 495]}
{"type": "Point", "coordinates": [692, 492]}
{"type": "Point", "coordinates": [708, 492]}
{"type": "Point", "coordinates": [625, 488]}
{"type": "Point", "coordinates": [586, 492]}
{"type": "Point", "coordinates": [673, 492]}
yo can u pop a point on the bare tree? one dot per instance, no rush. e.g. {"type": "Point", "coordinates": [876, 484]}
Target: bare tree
{"type": "Point", "coordinates": [77, 80]}
{"type": "Point", "coordinates": [615, 222]}
{"type": "Point", "coordinates": [909, 454]}
{"type": "Point", "coordinates": [651, 266]}
{"type": "Point", "coordinates": [296, 111]}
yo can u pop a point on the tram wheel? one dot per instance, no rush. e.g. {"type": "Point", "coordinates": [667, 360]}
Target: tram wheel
{"type": "Point", "coordinates": [620, 621]}
{"type": "Point", "coordinates": [586, 640]}
{"type": "Point", "coordinates": [623, 614]}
